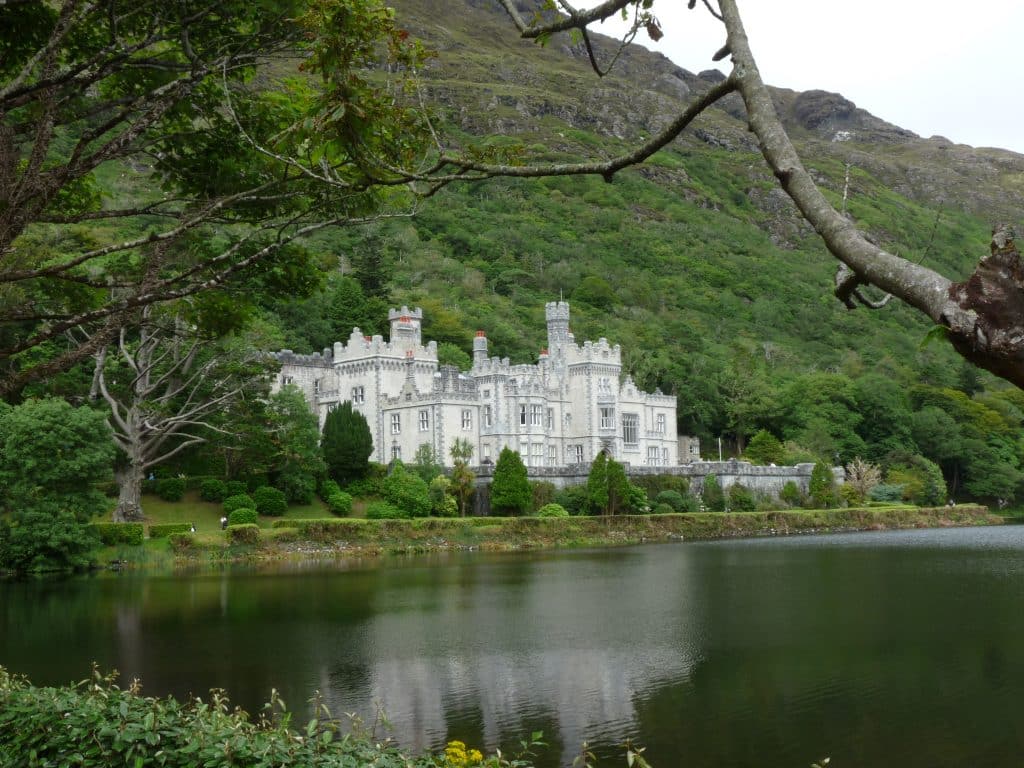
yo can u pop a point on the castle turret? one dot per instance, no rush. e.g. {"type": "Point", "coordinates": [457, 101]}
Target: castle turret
{"type": "Point", "coordinates": [557, 314]}
{"type": "Point", "coordinates": [480, 348]}
{"type": "Point", "coordinates": [405, 325]}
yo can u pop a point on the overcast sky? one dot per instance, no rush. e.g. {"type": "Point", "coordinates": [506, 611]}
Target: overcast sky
{"type": "Point", "coordinates": [935, 67]}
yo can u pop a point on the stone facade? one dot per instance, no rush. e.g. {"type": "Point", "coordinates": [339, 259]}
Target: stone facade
{"type": "Point", "coordinates": [561, 411]}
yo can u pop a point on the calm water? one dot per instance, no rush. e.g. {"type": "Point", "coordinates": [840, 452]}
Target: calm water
{"type": "Point", "coordinates": [878, 649]}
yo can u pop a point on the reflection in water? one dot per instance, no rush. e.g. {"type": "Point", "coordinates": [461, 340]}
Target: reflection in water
{"type": "Point", "coordinates": [876, 649]}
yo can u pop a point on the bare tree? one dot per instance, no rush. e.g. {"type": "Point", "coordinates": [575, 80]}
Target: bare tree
{"type": "Point", "coordinates": [862, 476]}
{"type": "Point", "coordinates": [165, 383]}
{"type": "Point", "coordinates": [983, 316]}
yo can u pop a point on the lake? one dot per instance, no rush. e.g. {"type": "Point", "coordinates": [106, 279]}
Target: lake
{"type": "Point", "coordinates": [894, 649]}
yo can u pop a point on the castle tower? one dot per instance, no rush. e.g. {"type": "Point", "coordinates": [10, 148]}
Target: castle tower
{"type": "Point", "coordinates": [406, 325]}
{"type": "Point", "coordinates": [557, 314]}
{"type": "Point", "coordinates": [480, 348]}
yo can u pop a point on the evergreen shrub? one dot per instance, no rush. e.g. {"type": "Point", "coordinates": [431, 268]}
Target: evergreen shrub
{"type": "Point", "coordinates": [741, 498]}
{"type": "Point", "coordinates": [791, 494]}
{"type": "Point", "coordinates": [552, 510]}
{"type": "Point", "coordinates": [328, 488]}
{"type": "Point", "coordinates": [673, 499]}
{"type": "Point", "coordinates": [213, 489]}
{"type": "Point", "coordinates": [573, 498]}
{"type": "Point", "coordinates": [244, 533]}
{"type": "Point", "coordinates": [662, 509]}
{"type": "Point", "coordinates": [884, 492]}
{"type": "Point", "coordinates": [231, 503]}
{"type": "Point", "coordinates": [160, 531]}
{"type": "Point", "coordinates": [382, 510]}
{"type": "Point", "coordinates": [235, 488]}
{"type": "Point", "coordinates": [242, 516]}
{"type": "Point", "coordinates": [170, 488]}
{"type": "Point", "coordinates": [406, 490]}
{"type": "Point", "coordinates": [297, 486]}
{"type": "Point", "coordinates": [270, 501]}
{"type": "Point", "coordinates": [340, 503]}
{"type": "Point", "coordinates": [111, 534]}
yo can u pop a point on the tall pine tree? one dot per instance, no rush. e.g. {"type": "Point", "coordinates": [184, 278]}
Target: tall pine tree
{"type": "Point", "coordinates": [346, 444]}
{"type": "Point", "coordinates": [510, 490]}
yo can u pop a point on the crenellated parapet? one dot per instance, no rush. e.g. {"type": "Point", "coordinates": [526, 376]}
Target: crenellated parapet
{"type": "Point", "coordinates": [315, 360]}
{"type": "Point", "coordinates": [360, 347]}
{"type": "Point", "coordinates": [599, 352]}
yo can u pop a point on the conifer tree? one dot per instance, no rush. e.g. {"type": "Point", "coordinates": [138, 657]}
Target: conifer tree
{"type": "Point", "coordinates": [597, 485]}
{"type": "Point", "coordinates": [346, 444]}
{"type": "Point", "coordinates": [510, 490]}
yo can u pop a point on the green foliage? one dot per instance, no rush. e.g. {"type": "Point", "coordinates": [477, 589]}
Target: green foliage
{"type": "Point", "coordinates": [450, 354]}
{"type": "Point", "coordinates": [543, 493]}
{"type": "Point", "coordinates": [463, 478]}
{"type": "Point", "coordinates": [821, 488]}
{"type": "Point", "coordinates": [41, 541]}
{"type": "Point", "coordinates": [663, 509]}
{"type": "Point", "coordinates": [597, 485]}
{"type": "Point", "coordinates": [552, 510]}
{"type": "Point", "coordinates": [242, 516]}
{"type": "Point", "coordinates": [574, 499]}
{"type": "Point", "coordinates": [595, 291]}
{"type": "Point", "coordinates": [340, 503]}
{"type": "Point", "coordinates": [765, 448]}
{"type": "Point", "coordinates": [425, 462]}
{"type": "Point", "coordinates": [51, 455]}
{"type": "Point", "coordinates": [166, 529]}
{"type": "Point", "coordinates": [406, 491]}
{"type": "Point", "coordinates": [674, 499]}
{"type": "Point", "coordinates": [235, 488]}
{"type": "Point", "coordinates": [712, 495]}
{"type": "Point", "coordinates": [655, 484]}
{"type": "Point", "coordinates": [382, 510]}
{"type": "Point", "coordinates": [294, 462]}
{"type": "Point", "coordinates": [297, 486]}
{"type": "Point", "coordinates": [111, 534]}
{"type": "Point", "coordinates": [510, 489]}
{"type": "Point", "coordinates": [346, 443]}
{"type": "Point", "coordinates": [920, 478]}
{"type": "Point", "coordinates": [883, 492]}
{"type": "Point", "coordinates": [270, 501]}
{"type": "Point", "coordinates": [241, 501]}
{"type": "Point", "coordinates": [181, 542]}
{"type": "Point", "coordinates": [103, 726]}
{"type": "Point", "coordinates": [243, 533]}
{"type": "Point", "coordinates": [791, 494]}
{"type": "Point", "coordinates": [170, 488]}
{"type": "Point", "coordinates": [741, 498]}
{"type": "Point", "coordinates": [328, 488]}
{"type": "Point", "coordinates": [213, 489]}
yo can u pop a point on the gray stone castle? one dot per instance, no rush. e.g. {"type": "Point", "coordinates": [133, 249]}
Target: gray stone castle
{"type": "Point", "coordinates": [559, 412]}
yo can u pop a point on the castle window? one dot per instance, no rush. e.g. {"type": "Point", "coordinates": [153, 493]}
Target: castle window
{"type": "Point", "coordinates": [536, 414]}
{"type": "Point", "coordinates": [607, 418]}
{"type": "Point", "coordinates": [551, 418]}
{"type": "Point", "coordinates": [536, 454]}
{"type": "Point", "coordinates": [286, 380]}
{"type": "Point", "coordinates": [653, 456]}
{"type": "Point", "coordinates": [604, 385]}
{"type": "Point", "coordinates": [396, 451]}
{"type": "Point", "coordinates": [488, 419]}
{"type": "Point", "coordinates": [487, 393]}
{"type": "Point", "coordinates": [316, 386]}
{"type": "Point", "coordinates": [630, 428]}
{"type": "Point", "coordinates": [577, 453]}
{"type": "Point", "coordinates": [358, 396]}
{"type": "Point", "coordinates": [424, 421]}
{"type": "Point", "coordinates": [693, 449]}
{"type": "Point", "coordinates": [664, 456]}
{"type": "Point", "coordinates": [467, 419]}
{"type": "Point", "coordinates": [660, 424]}
{"type": "Point", "coordinates": [396, 423]}
{"type": "Point", "coordinates": [552, 455]}
{"type": "Point", "coordinates": [522, 415]}
{"type": "Point", "coordinates": [487, 451]}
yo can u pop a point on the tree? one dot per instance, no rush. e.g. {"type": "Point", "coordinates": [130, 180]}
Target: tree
{"type": "Point", "coordinates": [406, 491]}
{"type": "Point", "coordinates": [296, 462]}
{"type": "Point", "coordinates": [765, 448]}
{"type": "Point", "coordinates": [862, 476]}
{"type": "Point", "coordinates": [425, 463]}
{"type": "Point", "coordinates": [712, 496]}
{"type": "Point", "coordinates": [164, 381]}
{"type": "Point", "coordinates": [979, 316]}
{"type": "Point", "coordinates": [597, 485]}
{"type": "Point", "coordinates": [230, 174]}
{"type": "Point", "coordinates": [51, 458]}
{"type": "Point", "coordinates": [510, 488]}
{"type": "Point", "coordinates": [463, 478]}
{"type": "Point", "coordinates": [821, 488]}
{"type": "Point", "coordinates": [346, 444]}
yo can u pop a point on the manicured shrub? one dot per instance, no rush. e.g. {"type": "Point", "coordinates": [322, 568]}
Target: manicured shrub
{"type": "Point", "coordinates": [270, 501]}
{"type": "Point", "coordinates": [662, 509]}
{"type": "Point", "coordinates": [235, 488]}
{"type": "Point", "coordinates": [382, 510]}
{"type": "Point", "coordinates": [367, 486]}
{"type": "Point", "coordinates": [741, 498]}
{"type": "Point", "coordinates": [328, 488]}
{"type": "Point", "coordinates": [552, 510]}
{"type": "Point", "coordinates": [117, 533]}
{"type": "Point", "coordinates": [673, 499]}
{"type": "Point", "coordinates": [406, 490]}
{"type": "Point", "coordinates": [340, 503]}
{"type": "Point", "coordinates": [170, 488]}
{"type": "Point", "coordinates": [160, 531]}
{"type": "Point", "coordinates": [510, 489]}
{"type": "Point", "coordinates": [242, 516]}
{"type": "Point", "coordinates": [231, 503]}
{"type": "Point", "coordinates": [213, 489]}
{"type": "Point", "coordinates": [244, 533]}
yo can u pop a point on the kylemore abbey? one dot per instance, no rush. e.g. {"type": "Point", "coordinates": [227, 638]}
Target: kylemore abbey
{"type": "Point", "coordinates": [560, 412]}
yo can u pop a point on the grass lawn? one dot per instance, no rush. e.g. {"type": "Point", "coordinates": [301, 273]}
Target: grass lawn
{"type": "Point", "coordinates": [207, 514]}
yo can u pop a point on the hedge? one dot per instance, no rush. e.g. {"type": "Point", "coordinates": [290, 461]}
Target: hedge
{"type": "Point", "coordinates": [246, 533]}
{"type": "Point", "coordinates": [213, 489]}
{"type": "Point", "coordinates": [242, 516]}
{"type": "Point", "coordinates": [340, 503]}
{"type": "Point", "coordinates": [270, 501]}
{"type": "Point", "coordinates": [166, 529]}
{"type": "Point", "coordinates": [118, 533]}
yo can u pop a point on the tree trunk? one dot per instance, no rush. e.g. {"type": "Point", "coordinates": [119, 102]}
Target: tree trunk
{"type": "Point", "coordinates": [129, 497]}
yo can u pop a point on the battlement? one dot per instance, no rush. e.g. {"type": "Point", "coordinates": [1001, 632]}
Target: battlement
{"type": "Point", "coordinates": [405, 314]}
{"type": "Point", "coordinates": [556, 310]}
{"type": "Point", "coordinates": [315, 360]}
{"type": "Point", "coordinates": [600, 351]}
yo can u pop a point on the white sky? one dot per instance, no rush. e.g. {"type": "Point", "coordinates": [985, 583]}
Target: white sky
{"type": "Point", "coordinates": [935, 67]}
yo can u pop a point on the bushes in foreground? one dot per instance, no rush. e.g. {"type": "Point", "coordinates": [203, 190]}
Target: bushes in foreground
{"type": "Point", "coordinates": [96, 724]}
